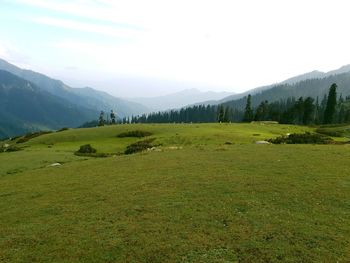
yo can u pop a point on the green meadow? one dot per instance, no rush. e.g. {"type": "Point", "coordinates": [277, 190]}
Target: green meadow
{"type": "Point", "coordinates": [204, 193]}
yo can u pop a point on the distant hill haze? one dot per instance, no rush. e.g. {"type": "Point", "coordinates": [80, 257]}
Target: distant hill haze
{"type": "Point", "coordinates": [180, 99]}
{"type": "Point", "coordinates": [314, 84]}
{"type": "Point", "coordinates": [25, 107]}
{"type": "Point", "coordinates": [85, 97]}
{"type": "Point", "coordinates": [32, 101]}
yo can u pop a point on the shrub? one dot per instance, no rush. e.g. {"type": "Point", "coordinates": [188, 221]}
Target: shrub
{"type": "Point", "coordinates": [139, 146]}
{"type": "Point", "coordinates": [302, 138]}
{"type": "Point", "coordinates": [87, 148]}
{"type": "Point", "coordinates": [136, 133]}
{"type": "Point", "coordinates": [89, 151]}
{"type": "Point", "coordinates": [12, 148]}
{"type": "Point", "coordinates": [14, 138]}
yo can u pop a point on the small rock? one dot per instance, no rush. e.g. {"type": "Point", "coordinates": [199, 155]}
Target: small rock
{"type": "Point", "coordinates": [55, 164]}
{"type": "Point", "coordinates": [262, 142]}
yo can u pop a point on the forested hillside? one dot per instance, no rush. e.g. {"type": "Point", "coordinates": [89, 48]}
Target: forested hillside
{"type": "Point", "coordinates": [25, 107]}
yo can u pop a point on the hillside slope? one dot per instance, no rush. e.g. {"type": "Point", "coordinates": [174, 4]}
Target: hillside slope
{"type": "Point", "coordinates": [25, 107]}
{"type": "Point", "coordinates": [291, 81]}
{"type": "Point", "coordinates": [84, 97]}
{"type": "Point", "coordinates": [311, 87]}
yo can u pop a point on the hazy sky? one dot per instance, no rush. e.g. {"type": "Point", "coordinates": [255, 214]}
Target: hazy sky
{"type": "Point", "coordinates": [228, 45]}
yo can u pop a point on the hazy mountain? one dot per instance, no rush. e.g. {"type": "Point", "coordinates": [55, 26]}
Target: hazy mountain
{"type": "Point", "coordinates": [101, 100]}
{"type": "Point", "coordinates": [307, 76]}
{"type": "Point", "coordinates": [310, 75]}
{"type": "Point", "coordinates": [317, 87]}
{"type": "Point", "coordinates": [25, 107]}
{"type": "Point", "coordinates": [85, 97]}
{"type": "Point", "coordinates": [180, 99]}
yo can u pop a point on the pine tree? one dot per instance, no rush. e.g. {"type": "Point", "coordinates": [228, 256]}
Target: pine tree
{"type": "Point", "coordinates": [248, 113]}
{"type": "Point", "coordinates": [331, 105]}
{"type": "Point", "coordinates": [309, 108]}
{"type": "Point", "coordinates": [101, 119]}
{"type": "Point", "coordinates": [226, 114]}
{"type": "Point", "coordinates": [221, 113]}
{"type": "Point", "coordinates": [112, 115]}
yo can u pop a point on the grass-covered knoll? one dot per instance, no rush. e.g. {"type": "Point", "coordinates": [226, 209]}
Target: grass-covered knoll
{"type": "Point", "coordinates": [206, 201]}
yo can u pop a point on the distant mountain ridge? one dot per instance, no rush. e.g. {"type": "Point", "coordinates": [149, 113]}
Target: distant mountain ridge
{"type": "Point", "coordinates": [25, 107]}
{"type": "Point", "coordinates": [85, 97]}
{"type": "Point", "coordinates": [315, 88]}
{"type": "Point", "coordinates": [180, 99]}
{"type": "Point", "coordinates": [31, 101]}
{"type": "Point", "coordinates": [291, 81]}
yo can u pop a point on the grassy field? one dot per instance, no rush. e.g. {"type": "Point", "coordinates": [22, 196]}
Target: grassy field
{"type": "Point", "coordinates": [208, 193]}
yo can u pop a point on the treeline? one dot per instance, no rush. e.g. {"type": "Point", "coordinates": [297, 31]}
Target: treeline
{"type": "Point", "coordinates": [330, 109]}
{"type": "Point", "coordinates": [305, 111]}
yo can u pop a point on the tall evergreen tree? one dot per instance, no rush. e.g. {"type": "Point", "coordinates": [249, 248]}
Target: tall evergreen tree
{"type": "Point", "coordinates": [331, 105]}
{"type": "Point", "coordinates": [101, 119]}
{"type": "Point", "coordinates": [248, 112]}
{"type": "Point", "coordinates": [309, 108]}
{"type": "Point", "coordinates": [221, 113]}
{"type": "Point", "coordinates": [112, 115]}
{"type": "Point", "coordinates": [226, 114]}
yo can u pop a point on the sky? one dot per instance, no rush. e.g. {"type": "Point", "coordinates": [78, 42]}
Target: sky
{"type": "Point", "coordinates": [136, 48]}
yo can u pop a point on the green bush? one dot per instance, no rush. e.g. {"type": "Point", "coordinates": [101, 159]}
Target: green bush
{"type": "Point", "coordinates": [87, 148]}
{"type": "Point", "coordinates": [302, 138]}
{"type": "Point", "coordinates": [12, 148]}
{"type": "Point", "coordinates": [136, 133]}
{"type": "Point", "coordinates": [89, 151]}
{"type": "Point", "coordinates": [14, 138]}
{"type": "Point", "coordinates": [139, 146]}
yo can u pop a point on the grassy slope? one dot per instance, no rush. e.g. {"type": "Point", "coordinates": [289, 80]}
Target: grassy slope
{"type": "Point", "coordinates": [206, 202]}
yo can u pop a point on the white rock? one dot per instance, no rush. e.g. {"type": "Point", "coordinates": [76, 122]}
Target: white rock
{"type": "Point", "coordinates": [55, 164]}
{"type": "Point", "coordinates": [262, 142]}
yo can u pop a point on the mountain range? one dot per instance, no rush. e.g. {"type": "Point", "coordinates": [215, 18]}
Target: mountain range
{"type": "Point", "coordinates": [314, 84]}
{"type": "Point", "coordinates": [31, 101]}
{"type": "Point", "coordinates": [85, 97]}
{"type": "Point", "coordinates": [25, 107]}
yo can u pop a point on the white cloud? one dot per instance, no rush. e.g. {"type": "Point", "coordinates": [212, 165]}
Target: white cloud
{"type": "Point", "coordinates": [12, 54]}
{"type": "Point", "coordinates": [88, 27]}
{"type": "Point", "coordinates": [241, 44]}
